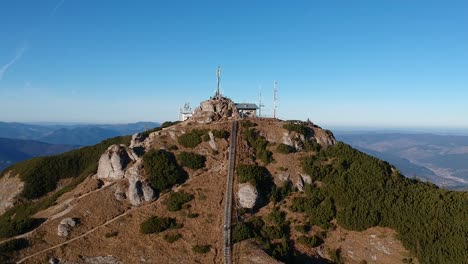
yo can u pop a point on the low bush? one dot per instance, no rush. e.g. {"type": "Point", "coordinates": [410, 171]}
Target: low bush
{"type": "Point", "coordinates": [285, 149]}
{"type": "Point", "coordinates": [157, 224]}
{"type": "Point", "coordinates": [13, 245]}
{"type": "Point", "coordinates": [171, 238]}
{"type": "Point", "coordinates": [296, 127]}
{"type": "Point", "coordinates": [191, 160]}
{"type": "Point", "coordinates": [259, 143]}
{"type": "Point", "coordinates": [220, 134]}
{"type": "Point", "coordinates": [252, 173]}
{"type": "Point", "coordinates": [311, 242]}
{"type": "Point", "coordinates": [193, 215]}
{"type": "Point", "coordinates": [276, 216]}
{"type": "Point", "coordinates": [191, 139]}
{"type": "Point", "coordinates": [201, 249]}
{"type": "Point", "coordinates": [162, 169]}
{"type": "Point", "coordinates": [176, 200]}
{"type": "Point", "coordinates": [302, 228]}
{"type": "Point", "coordinates": [111, 234]}
{"type": "Point", "coordinates": [279, 193]}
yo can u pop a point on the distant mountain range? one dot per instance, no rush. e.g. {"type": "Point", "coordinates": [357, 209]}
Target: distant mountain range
{"type": "Point", "coordinates": [20, 141]}
{"type": "Point", "coordinates": [71, 134]}
{"type": "Point", "coordinates": [441, 159]}
{"type": "Point", "coordinates": [15, 150]}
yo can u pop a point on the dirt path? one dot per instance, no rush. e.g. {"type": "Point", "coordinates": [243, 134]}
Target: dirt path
{"type": "Point", "coordinates": [97, 227]}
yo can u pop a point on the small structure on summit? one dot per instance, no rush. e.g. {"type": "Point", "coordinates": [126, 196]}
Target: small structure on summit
{"type": "Point", "coordinates": [185, 112]}
{"type": "Point", "coordinates": [247, 109]}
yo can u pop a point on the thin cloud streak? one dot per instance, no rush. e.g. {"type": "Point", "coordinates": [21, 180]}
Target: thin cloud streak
{"type": "Point", "coordinates": [18, 56]}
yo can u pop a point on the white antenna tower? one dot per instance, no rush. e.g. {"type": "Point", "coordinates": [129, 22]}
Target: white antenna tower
{"type": "Point", "coordinates": [260, 105]}
{"type": "Point", "coordinates": [218, 75]}
{"type": "Point", "coordinates": [274, 99]}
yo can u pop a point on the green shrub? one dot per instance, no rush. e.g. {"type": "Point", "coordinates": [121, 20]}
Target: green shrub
{"type": "Point", "coordinates": [247, 124]}
{"type": "Point", "coordinates": [193, 215]}
{"type": "Point", "coordinates": [171, 238]}
{"type": "Point", "coordinates": [252, 173]}
{"type": "Point", "coordinates": [311, 242]}
{"type": "Point", "coordinates": [192, 139]}
{"type": "Point", "coordinates": [279, 193]}
{"type": "Point", "coordinates": [176, 200]}
{"type": "Point", "coordinates": [249, 229]}
{"type": "Point", "coordinates": [169, 123]}
{"type": "Point", "coordinates": [296, 127]}
{"type": "Point", "coordinates": [259, 143]}
{"type": "Point", "coordinates": [111, 234]}
{"type": "Point", "coordinates": [201, 249]}
{"type": "Point", "coordinates": [18, 225]}
{"type": "Point", "coordinates": [302, 228]}
{"type": "Point", "coordinates": [157, 224]}
{"type": "Point", "coordinates": [13, 245]}
{"type": "Point", "coordinates": [335, 256]}
{"type": "Point", "coordinates": [285, 149]}
{"type": "Point", "coordinates": [220, 134]}
{"type": "Point", "coordinates": [276, 216]}
{"type": "Point", "coordinates": [191, 160]}
{"type": "Point", "coordinates": [162, 169]}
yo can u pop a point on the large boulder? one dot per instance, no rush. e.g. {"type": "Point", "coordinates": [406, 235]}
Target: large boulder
{"type": "Point", "coordinates": [139, 191]}
{"type": "Point", "coordinates": [65, 226]}
{"type": "Point", "coordinates": [113, 162]}
{"type": "Point", "coordinates": [248, 195]}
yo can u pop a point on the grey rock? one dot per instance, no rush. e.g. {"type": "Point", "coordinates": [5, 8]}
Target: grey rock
{"type": "Point", "coordinates": [300, 184]}
{"type": "Point", "coordinates": [139, 191]}
{"type": "Point", "coordinates": [212, 141]}
{"type": "Point", "coordinates": [113, 162]}
{"type": "Point", "coordinates": [247, 195]}
{"type": "Point", "coordinates": [65, 226]}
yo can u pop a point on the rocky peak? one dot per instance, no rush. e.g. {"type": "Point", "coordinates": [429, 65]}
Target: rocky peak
{"type": "Point", "coordinates": [214, 110]}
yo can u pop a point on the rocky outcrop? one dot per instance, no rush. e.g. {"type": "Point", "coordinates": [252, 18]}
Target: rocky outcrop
{"type": "Point", "coordinates": [65, 226]}
{"type": "Point", "coordinates": [214, 110]}
{"type": "Point", "coordinates": [324, 137]}
{"type": "Point", "coordinates": [138, 139]}
{"type": "Point", "coordinates": [113, 162]}
{"type": "Point", "coordinates": [294, 139]}
{"type": "Point", "coordinates": [10, 187]}
{"type": "Point", "coordinates": [247, 195]}
{"type": "Point", "coordinates": [139, 191]}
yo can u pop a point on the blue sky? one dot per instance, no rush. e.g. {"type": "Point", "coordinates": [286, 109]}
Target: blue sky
{"type": "Point", "coordinates": [339, 63]}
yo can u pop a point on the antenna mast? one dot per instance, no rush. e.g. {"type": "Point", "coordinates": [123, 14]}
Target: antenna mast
{"type": "Point", "coordinates": [274, 99]}
{"type": "Point", "coordinates": [260, 105]}
{"type": "Point", "coordinates": [218, 75]}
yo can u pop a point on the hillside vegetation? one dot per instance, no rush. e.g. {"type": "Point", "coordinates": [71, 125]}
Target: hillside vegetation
{"type": "Point", "coordinates": [368, 192]}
